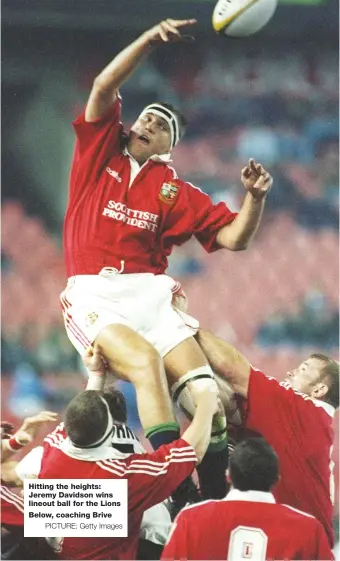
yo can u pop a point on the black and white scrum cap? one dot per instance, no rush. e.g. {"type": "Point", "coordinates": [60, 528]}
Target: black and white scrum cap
{"type": "Point", "coordinates": [108, 431]}
{"type": "Point", "coordinates": [169, 116]}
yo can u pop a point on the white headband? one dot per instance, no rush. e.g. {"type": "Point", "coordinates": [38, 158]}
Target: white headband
{"type": "Point", "coordinates": [169, 116]}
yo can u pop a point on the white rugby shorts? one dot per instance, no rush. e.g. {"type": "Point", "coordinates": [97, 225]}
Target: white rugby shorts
{"type": "Point", "coordinates": [141, 301]}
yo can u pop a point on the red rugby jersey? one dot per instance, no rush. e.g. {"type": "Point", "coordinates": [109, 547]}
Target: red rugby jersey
{"type": "Point", "coordinates": [151, 479]}
{"type": "Point", "coordinates": [246, 526]}
{"type": "Point", "coordinates": [12, 507]}
{"type": "Point", "coordinates": [300, 431]}
{"type": "Point", "coordinates": [108, 220]}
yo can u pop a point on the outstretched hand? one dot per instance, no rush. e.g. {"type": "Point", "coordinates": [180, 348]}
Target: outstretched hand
{"type": "Point", "coordinates": [169, 31]}
{"type": "Point", "coordinates": [6, 429]}
{"type": "Point", "coordinates": [256, 180]}
{"type": "Point", "coordinates": [31, 425]}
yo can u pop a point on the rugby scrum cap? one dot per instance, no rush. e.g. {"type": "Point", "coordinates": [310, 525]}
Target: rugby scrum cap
{"type": "Point", "coordinates": [169, 116]}
{"type": "Point", "coordinates": [108, 431]}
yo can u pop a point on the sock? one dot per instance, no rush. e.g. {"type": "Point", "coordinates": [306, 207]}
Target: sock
{"type": "Point", "coordinates": [212, 470]}
{"type": "Point", "coordinates": [186, 493]}
{"type": "Point", "coordinates": [162, 434]}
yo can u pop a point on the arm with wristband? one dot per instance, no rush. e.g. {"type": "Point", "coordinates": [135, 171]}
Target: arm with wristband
{"type": "Point", "coordinates": [26, 433]}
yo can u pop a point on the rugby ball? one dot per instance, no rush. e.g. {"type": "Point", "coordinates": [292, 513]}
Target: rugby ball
{"type": "Point", "coordinates": [240, 18]}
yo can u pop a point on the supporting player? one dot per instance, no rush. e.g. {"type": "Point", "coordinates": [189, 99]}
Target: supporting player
{"type": "Point", "coordinates": [127, 209]}
{"type": "Point", "coordinates": [83, 450]}
{"type": "Point", "coordinates": [248, 523]}
{"type": "Point", "coordinates": [295, 416]}
{"type": "Point", "coordinates": [156, 522]}
{"type": "Point", "coordinates": [13, 545]}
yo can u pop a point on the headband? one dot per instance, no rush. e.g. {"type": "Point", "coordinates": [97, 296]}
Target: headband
{"type": "Point", "coordinates": [169, 116]}
{"type": "Point", "coordinates": [107, 433]}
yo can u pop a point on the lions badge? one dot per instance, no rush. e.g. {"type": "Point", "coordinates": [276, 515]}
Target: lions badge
{"type": "Point", "coordinates": [91, 318]}
{"type": "Point", "coordinates": [168, 193]}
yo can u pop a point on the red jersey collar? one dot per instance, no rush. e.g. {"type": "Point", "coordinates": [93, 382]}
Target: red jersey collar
{"type": "Point", "coordinates": [161, 158]}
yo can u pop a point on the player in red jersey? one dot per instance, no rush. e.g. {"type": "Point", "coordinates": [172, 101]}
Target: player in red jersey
{"type": "Point", "coordinates": [295, 416]}
{"type": "Point", "coordinates": [156, 522]}
{"type": "Point", "coordinates": [127, 209]}
{"type": "Point", "coordinates": [248, 523]}
{"type": "Point", "coordinates": [13, 545]}
{"type": "Point", "coordinates": [83, 450]}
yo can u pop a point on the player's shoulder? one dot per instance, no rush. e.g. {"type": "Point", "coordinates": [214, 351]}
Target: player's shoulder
{"type": "Point", "coordinates": [56, 437]}
{"type": "Point", "coordinates": [203, 508]}
{"type": "Point", "coordinates": [258, 378]}
{"type": "Point", "coordinates": [296, 515]}
{"type": "Point", "coordinates": [172, 175]}
{"type": "Point", "coordinates": [285, 389]}
{"type": "Point", "coordinates": [316, 405]}
{"type": "Point", "coordinates": [185, 186]}
{"type": "Point", "coordinates": [194, 189]}
{"type": "Point", "coordinates": [109, 112]}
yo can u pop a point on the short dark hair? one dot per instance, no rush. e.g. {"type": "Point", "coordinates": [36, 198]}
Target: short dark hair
{"type": "Point", "coordinates": [329, 374]}
{"type": "Point", "coordinates": [86, 418]}
{"type": "Point", "coordinates": [182, 120]}
{"type": "Point", "coordinates": [117, 404]}
{"type": "Point", "coordinates": [254, 465]}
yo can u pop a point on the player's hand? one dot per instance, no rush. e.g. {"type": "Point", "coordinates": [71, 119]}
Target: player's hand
{"type": "Point", "coordinates": [6, 429]}
{"type": "Point", "coordinates": [168, 31]}
{"type": "Point", "coordinates": [256, 180]}
{"type": "Point", "coordinates": [180, 299]}
{"type": "Point", "coordinates": [204, 392]}
{"type": "Point", "coordinates": [94, 361]}
{"type": "Point", "coordinates": [31, 425]}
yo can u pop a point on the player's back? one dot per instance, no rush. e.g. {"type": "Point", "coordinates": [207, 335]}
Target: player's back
{"type": "Point", "coordinates": [246, 529]}
{"type": "Point", "coordinates": [300, 431]}
{"type": "Point", "coordinates": [151, 479]}
{"type": "Point", "coordinates": [57, 465]}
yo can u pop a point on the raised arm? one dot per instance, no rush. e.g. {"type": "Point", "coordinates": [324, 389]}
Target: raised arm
{"type": "Point", "coordinates": [107, 83]}
{"type": "Point", "coordinates": [239, 233]}
{"type": "Point", "coordinates": [26, 433]}
{"type": "Point", "coordinates": [198, 432]}
{"type": "Point", "coordinates": [225, 361]}
{"type": "Point", "coordinates": [158, 474]}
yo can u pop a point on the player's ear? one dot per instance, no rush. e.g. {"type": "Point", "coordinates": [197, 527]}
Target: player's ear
{"type": "Point", "coordinates": [228, 477]}
{"type": "Point", "coordinates": [320, 390]}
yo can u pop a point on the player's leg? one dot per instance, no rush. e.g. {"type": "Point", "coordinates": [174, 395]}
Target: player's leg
{"type": "Point", "coordinates": [108, 312]}
{"type": "Point", "coordinates": [135, 360]}
{"type": "Point", "coordinates": [228, 365]}
{"type": "Point", "coordinates": [187, 362]}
